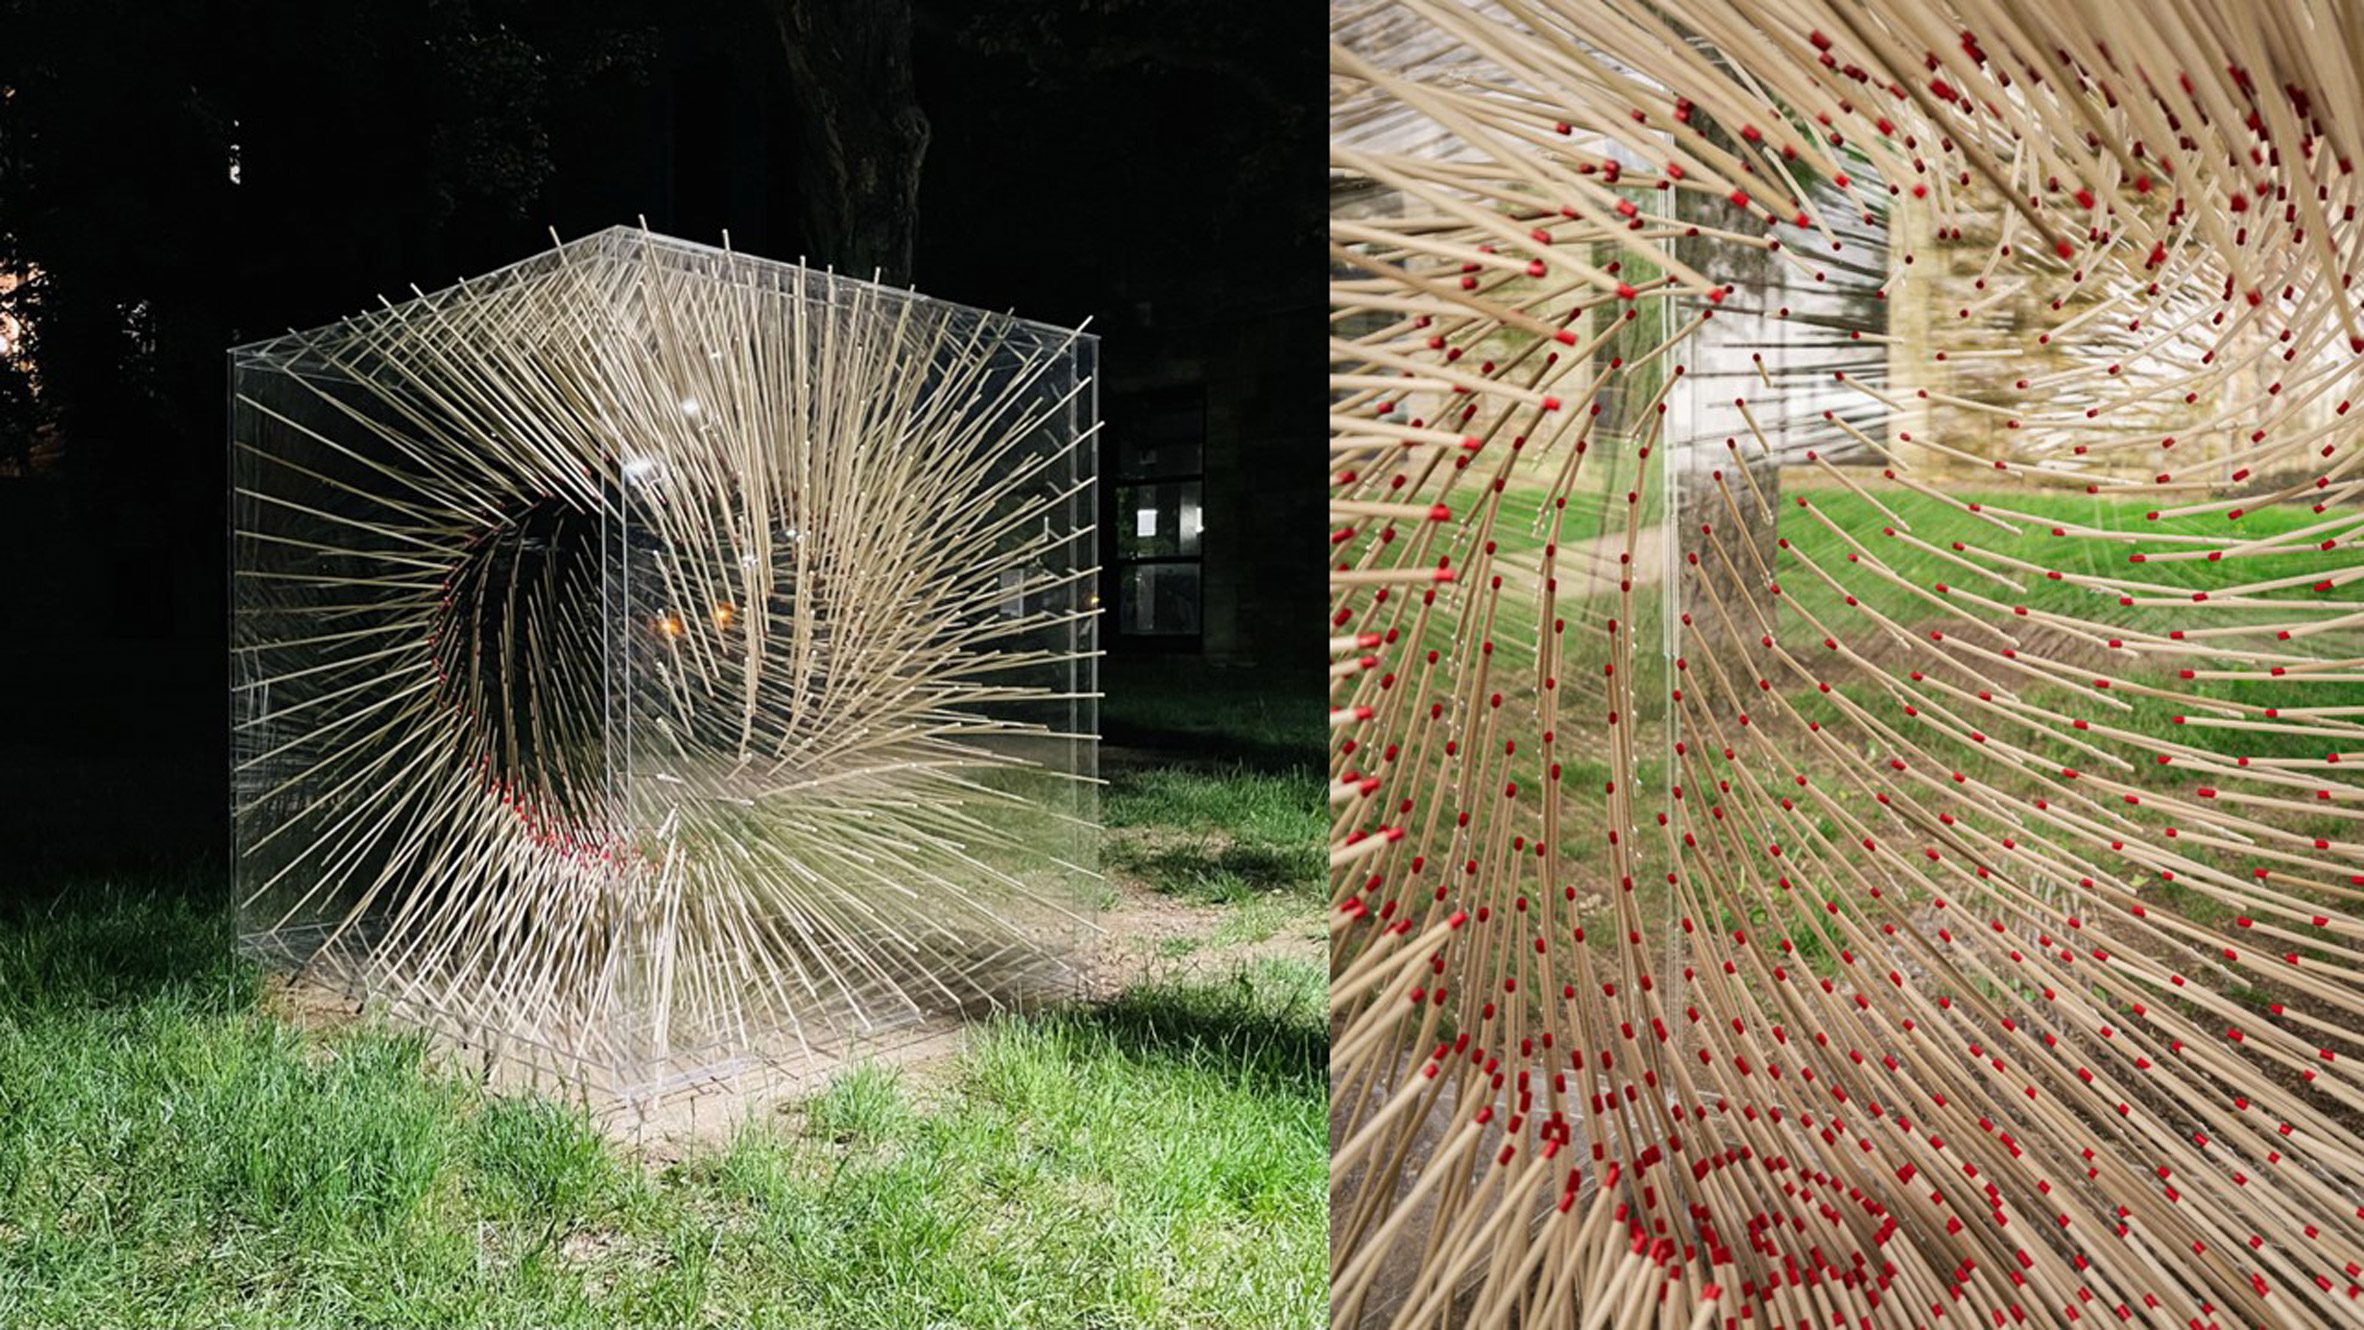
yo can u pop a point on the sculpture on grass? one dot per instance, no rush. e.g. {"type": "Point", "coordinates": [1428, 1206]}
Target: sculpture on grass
{"type": "Point", "coordinates": [651, 661]}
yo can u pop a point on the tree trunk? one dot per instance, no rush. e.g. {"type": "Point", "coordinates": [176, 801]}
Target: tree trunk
{"type": "Point", "coordinates": [861, 134]}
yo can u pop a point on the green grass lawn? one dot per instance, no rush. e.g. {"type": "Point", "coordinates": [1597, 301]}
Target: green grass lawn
{"type": "Point", "coordinates": [2150, 722]}
{"type": "Point", "coordinates": [1217, 795]}
{"type": "Point", "coordinates": [2077, 553]}
{"type": "Point", "coordinates": [172, 1153]}
{"type": "Point", "coordinates": [1223, 835]}
{"type": "Point", "coordinates": [1261, 716]}
{"type": "Point", "coordinates": [2101, 535]}
{"type": "Point", "coordinates": [1943, 525]}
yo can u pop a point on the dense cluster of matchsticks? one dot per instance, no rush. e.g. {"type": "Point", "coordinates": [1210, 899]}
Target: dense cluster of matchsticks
{"type": "Point", "coordinates": [649, 656]}
{"type": "Point", "coordinates": [1910, 882]}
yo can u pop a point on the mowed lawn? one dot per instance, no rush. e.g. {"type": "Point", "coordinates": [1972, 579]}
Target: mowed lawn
{"type": "Point", "coordinates": [2097, 538]}
{"type": "Point", "coordinates": [1215, 796]}
{"type": "Point", "coordinates": [2101, 539]}
{"type": "Point", "coordinates": [175, 1153]}
{"type": "Point", "coordinates": [2020, 537]}
{"type": "Point", "coordinates": [2150, 705]}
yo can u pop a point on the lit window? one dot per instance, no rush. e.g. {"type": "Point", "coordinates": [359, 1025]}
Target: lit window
{"type": "Point", "coordinates": [1159, 479]}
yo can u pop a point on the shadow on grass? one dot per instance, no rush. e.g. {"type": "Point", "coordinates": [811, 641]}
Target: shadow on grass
{"type": "Point", "coordinates": [1264, 1026]}
{"type": "Point", "coordinates": [1226, 874]}
{"type": "Point", "coordinates": [111, 945]}
{"type": "Point", "coordinates": [1260, 719]}
{"type": "Point", "coordinates": [1218, 835]}
{"type": "Point", "coordinates": [1199, 747]}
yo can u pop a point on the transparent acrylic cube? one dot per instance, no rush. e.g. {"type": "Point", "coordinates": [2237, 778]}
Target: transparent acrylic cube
{"type": "Point", "coordinates": [653, 664]}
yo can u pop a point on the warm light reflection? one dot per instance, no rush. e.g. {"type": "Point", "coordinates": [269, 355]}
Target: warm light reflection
{"type": "Point", "coordinates": [725, 614]}
{"type": "Point", "coordinates": [669, 625]}
{"type": "Point", "coordinates": [11, 332]}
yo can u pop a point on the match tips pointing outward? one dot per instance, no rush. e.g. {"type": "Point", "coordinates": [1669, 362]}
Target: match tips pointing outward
{"type": "Point", "coordinates": [1847, 664]}
{"type": "Point", "coordinates": [653, 659]}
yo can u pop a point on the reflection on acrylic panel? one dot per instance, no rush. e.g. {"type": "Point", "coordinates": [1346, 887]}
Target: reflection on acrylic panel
{"type": "Point", "coordinates": [653, 662]}
{"type": "Point", "coordinates": [1163, 519]}
{"type": "Point", "coordinates": [1159, 515]}
{"type": "Point", "coordinates": [1161, 599]}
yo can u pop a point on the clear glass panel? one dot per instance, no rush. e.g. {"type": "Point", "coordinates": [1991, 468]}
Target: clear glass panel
{"type": "Point", "coordinates": [1158, 521]}
{"type": "Point", "coordinates": [1160, 599]}
{"type": "Point", "coordinates": [653, 663]}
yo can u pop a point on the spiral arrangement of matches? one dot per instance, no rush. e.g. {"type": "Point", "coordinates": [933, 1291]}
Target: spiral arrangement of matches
{"type": "Point", "coordinates": [652, 660]}
{"type": "Point", "coordinates": [1848, 663]}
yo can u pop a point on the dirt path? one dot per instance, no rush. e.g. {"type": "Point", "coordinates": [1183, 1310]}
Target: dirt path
{"type": "Point", "coordinates": [1129, 950]}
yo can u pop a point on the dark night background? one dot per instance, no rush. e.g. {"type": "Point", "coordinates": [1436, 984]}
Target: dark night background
{"type": "Point", "coordinates": [179, 177]}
